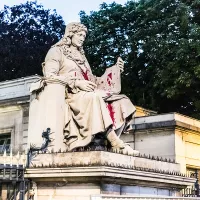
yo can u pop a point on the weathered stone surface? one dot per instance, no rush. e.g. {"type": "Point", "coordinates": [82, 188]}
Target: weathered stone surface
{"type": "Point", "coordinates": [89, 158]}
{"type": "Point", "coordinates": [110, 189]}
{"type": "Point", "coordinates": [113, 173]}
{"type": "Point", "coordinates": [47, 111]}
{"type": "Point", "coordinates": [66, 191]}
{"type": "Point", "coordinates": [165, 120]}
{"type": "Point", "coordinates": [16, 88]}
{"type": "Point", "coordinates": [110, 180]}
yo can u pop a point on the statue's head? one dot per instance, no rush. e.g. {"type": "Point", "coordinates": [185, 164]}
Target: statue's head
{"type": "Point", "coordinates": [73, 28]}
{"type": "Point", "coordinates": [75, 34]}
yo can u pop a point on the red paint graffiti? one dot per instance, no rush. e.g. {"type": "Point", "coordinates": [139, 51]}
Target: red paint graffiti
{"type": "Point", "coordinates": [85, 75]}
{"type": "Point", "coordinates": [111, 112]}
{"type": "Point", "coordinates": [109, 78]}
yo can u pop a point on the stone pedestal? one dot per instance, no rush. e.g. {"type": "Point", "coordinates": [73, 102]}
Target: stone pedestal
{"type": "Point", "coordinates": [81, 175]}
{"type": "Point", "coordinates": [47, 110]}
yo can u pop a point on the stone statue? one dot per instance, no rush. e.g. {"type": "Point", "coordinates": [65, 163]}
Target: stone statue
{"type": "Point", "coordinates": [93, 104]}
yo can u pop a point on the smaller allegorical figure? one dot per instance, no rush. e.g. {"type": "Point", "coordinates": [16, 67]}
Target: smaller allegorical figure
{"type": "Point", "coordinates": [94, 105]}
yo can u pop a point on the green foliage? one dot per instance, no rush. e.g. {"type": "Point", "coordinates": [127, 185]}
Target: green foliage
{"type": "Point", "coordinates": [27, 32]}
{"type": "Point", "coordinates": [159, 41]}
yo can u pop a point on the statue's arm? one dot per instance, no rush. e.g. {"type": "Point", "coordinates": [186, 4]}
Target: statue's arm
{"type": "Point", "coordinates": [53, 64]}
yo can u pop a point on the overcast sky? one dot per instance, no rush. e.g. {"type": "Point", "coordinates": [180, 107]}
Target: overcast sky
{"type": "Point", "coordinates": [68, 9]}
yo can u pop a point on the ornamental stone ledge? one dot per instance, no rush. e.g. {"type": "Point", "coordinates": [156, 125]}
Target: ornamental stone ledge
{"type": "Point", "coordinates": [17, 88]}
{"type": "Point", "coordinates": [98, 166]}
{"type": "Point", "coordinates": [165, 120]}
{"type": "Point", "coordinates": [105, 158]}
{"type": "Point", "coordinates": [109, 175]}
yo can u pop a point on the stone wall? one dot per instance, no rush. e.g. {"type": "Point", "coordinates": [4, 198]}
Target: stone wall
{"type": "Point", "coordinates": [11, 124]}
{"type": "Point", "coordinates": [157, 142]}
{"type": "Point", "coordinates": [187, 148]}
{"type": "Point", "coordinates": [79, 175]}
{"type": "Point", "coordinates": [66, 191]}
{"type": "Point", "coordinates": [14, 110]}
{"type": "Point", "coordinates": [170, 135]}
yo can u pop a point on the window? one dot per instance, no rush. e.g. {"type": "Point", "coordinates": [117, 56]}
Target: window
{"type": "Point", "coordinates": [5, 143]}
{"type": "Point", "coordinates": [192, 191]}
{"type": "Point", "coordinates": [194, 173]}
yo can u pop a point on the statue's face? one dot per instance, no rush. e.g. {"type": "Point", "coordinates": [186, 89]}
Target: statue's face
{"type": "Point", "coordinates": [78, 39]}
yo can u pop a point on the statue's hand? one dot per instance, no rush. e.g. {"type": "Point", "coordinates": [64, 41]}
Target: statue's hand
{"type": "Point", "coordinates": [120, 64]}
{"type": "Point", "coordinates": [85, 85]}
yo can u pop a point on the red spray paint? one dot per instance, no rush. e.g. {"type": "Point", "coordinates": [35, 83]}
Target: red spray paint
{"type": "Point", "coordinates": [109, 78]}
{"type": "Point", "coordinates": [111, 112]}
{"type": "Point", "coordinates": [85, 75]}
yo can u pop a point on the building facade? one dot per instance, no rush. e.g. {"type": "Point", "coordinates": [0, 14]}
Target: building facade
{"type": "Point", "coordinates": [160, 138]}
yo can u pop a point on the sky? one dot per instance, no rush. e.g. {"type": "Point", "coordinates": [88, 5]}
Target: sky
{"type": "Point", "coordinates": [68, 9]}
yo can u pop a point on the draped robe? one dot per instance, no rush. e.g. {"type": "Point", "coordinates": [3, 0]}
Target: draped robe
{"type": "Point", "coordinates": [87, 113]}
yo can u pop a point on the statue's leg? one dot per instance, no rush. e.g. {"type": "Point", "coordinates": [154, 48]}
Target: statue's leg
{"type": "Point", "coordinates": [118, 145]}
{"type": "Point", "coordinates": [125, 126]}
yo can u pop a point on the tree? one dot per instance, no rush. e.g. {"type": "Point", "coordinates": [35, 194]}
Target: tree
{"type": "Point", "coordinates": [159, 40]}
{"type": "Point", "coordinates": [170, 42]}
{"type": "Point", "coordinates": [27, 32]}
{"type": "Point", "coordinates": [108, 38]}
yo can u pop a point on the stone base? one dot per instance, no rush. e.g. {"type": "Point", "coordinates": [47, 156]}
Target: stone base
{"type": "Point", "coordinates": [103, 158]}
{"type": "Point", "coordinates": [79, 175]}
{"type": "Point", "coordinates": [63, 191]}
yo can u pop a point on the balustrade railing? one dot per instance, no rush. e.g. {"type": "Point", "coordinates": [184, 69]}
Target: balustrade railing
{"type": "Point", "coordinates": [12, 182]}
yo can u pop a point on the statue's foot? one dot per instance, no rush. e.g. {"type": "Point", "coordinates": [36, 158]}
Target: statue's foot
{"type": "Point", "coordinates": [125, 149]}
{"type": "Point", "coordinates": [118, 146]}
{"type": "Point", "coordinates": [129, 151]}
